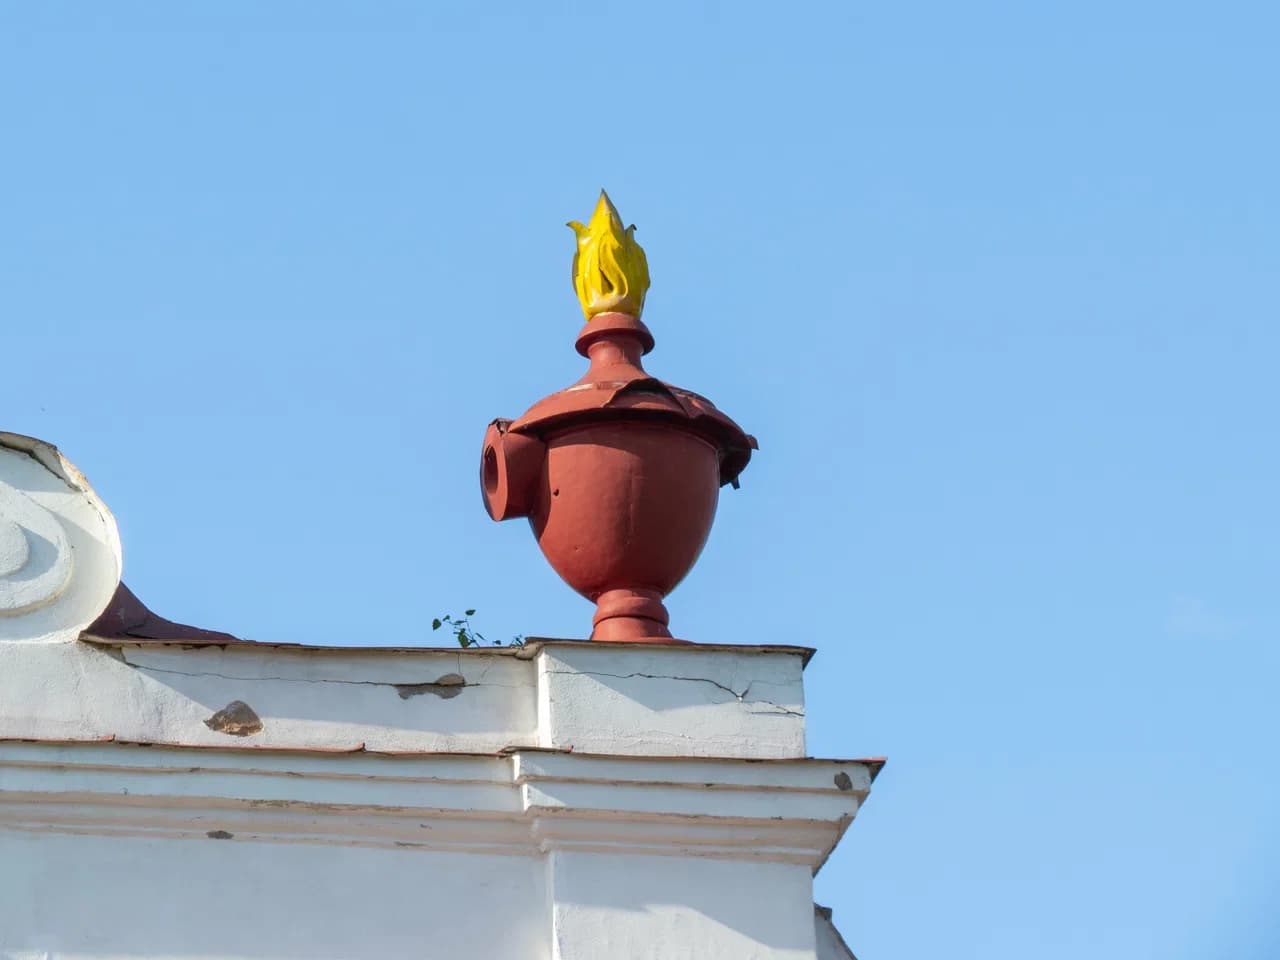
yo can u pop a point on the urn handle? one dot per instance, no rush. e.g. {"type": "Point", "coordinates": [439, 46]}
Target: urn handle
{"type": "Point", "coordinates": [510, 465]}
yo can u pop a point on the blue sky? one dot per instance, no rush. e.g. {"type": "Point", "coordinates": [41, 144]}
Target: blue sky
{"type": "Point", "coordinates": [994, 285]}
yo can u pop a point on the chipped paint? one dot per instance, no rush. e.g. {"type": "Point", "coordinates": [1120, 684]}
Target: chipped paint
{"type": "Point", "coordinates": [236, 719]}
{"type": "Point", "coordinates": [446, 687]}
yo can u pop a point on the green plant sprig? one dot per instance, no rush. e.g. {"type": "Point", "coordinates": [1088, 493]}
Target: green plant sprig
{"type": "Point", "coordinates": [468, 636]}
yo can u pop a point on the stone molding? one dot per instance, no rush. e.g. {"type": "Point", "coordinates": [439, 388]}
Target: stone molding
{"type": "Point", "coordinates": [523, 803]}
{"type": "Point", "coordinates": [59, 547]}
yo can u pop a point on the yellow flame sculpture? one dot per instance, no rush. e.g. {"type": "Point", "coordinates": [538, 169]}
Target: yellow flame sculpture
{"type": "Point", "coordinates": [610, 271]}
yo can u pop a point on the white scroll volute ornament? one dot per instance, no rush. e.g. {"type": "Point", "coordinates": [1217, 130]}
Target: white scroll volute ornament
{"type": "Point", "coordinates": [59, 546]}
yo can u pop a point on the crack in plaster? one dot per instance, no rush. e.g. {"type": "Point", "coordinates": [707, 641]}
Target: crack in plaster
{"type": "Point", "coordinates": [779, 709]}
{"type": "Point", "coordinates": [395, 685]}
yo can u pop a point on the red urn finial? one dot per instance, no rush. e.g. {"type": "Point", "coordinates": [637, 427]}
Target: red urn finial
{"type": "Point", "coordinates": [620, 473]}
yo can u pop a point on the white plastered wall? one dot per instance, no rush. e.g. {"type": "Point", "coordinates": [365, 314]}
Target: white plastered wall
{"type": "Point", "coordinates": [565, 800]}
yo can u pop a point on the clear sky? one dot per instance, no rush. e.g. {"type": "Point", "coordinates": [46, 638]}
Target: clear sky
{"type": "Point", "coordinates": [995, 285]}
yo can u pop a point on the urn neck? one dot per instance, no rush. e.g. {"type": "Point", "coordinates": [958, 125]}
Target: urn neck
{"type": "Point", "coordinates": [616, 350]}
{"type": "Point", "coordinates": [614, 343]}
{"type": "Point", "coordinates": [626, 332]}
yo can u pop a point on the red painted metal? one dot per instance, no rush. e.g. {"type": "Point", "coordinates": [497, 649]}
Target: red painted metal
{"type": "Point", "coordinates": [619, 476]}
{"type": "Point", "coordinates": [129, 619]}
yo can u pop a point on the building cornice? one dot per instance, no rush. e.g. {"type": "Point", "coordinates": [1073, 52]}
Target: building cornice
{"type": "Point", "coordinates": [520, 803]}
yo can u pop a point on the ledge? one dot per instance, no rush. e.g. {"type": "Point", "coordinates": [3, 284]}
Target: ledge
{"type": "Point", "coordinates": [522, 803]}
{"type": "Point", "coordinates": [651, 699]}
{"type": "Point", "coordinates": [525, 651]}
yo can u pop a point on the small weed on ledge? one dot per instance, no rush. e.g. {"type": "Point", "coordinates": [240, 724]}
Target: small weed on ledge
{"type": "Point", "coordinates": [469, 637]}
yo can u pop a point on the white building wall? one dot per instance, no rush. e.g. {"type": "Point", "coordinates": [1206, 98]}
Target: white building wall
{"type": "Point", "coordinates": [659, 908]}
{"type": "Point", "coordinates": [76, 896]}
{"type": "Point", "coordinates": [564, 801]}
